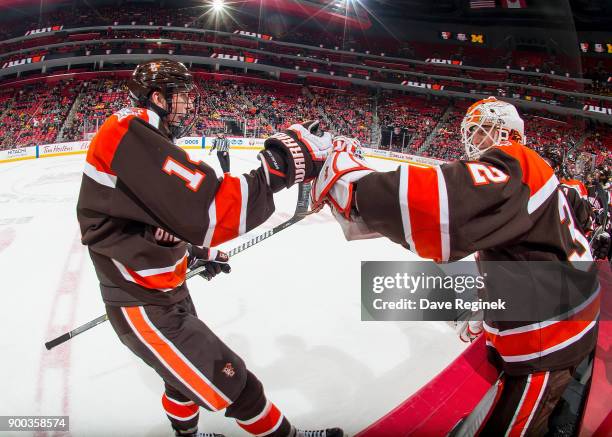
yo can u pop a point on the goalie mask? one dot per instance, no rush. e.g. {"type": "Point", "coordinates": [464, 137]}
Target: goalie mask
{"type": "Point", "coordinates": [489, 122]}
{"type": "Point", "coordinates": [341, 143]}
{"type": "Point", "coordinates": [175, 83]}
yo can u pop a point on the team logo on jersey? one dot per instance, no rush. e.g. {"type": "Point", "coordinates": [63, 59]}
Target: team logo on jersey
{"type": "Point", "coordinates": [229, 370]}
{"type": "Point", "coordinates": [126, 112]}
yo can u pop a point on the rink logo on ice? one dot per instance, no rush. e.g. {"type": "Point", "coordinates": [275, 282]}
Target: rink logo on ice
{"type": "Point", "coordinates": [24, 61]}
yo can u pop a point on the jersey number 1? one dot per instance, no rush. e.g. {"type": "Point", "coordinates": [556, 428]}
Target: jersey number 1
{"type": "Point", "coordinates": [193, 178]}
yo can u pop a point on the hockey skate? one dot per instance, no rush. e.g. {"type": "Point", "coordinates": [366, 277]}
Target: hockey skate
{"type": "Point", "coordinates": [330, 432]}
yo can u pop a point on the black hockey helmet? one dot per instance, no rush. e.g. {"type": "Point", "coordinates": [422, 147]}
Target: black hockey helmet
{"type": "Point", "coordinates": [169, 77]}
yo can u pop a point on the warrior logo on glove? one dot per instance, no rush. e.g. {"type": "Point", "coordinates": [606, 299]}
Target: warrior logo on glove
{"type": "Point", "coordinates": [295, 155]}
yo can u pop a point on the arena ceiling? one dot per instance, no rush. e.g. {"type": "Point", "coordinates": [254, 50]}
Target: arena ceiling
{"type": "Point", "coordinates": [587, 14]}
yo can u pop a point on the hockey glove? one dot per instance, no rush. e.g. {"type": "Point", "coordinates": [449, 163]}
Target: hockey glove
{"type": "Point", "coordinates": [294, 155]}
{"type": "Point", "coordinates": [469, 330]}
{"type": "Point", "coordinates": [340, 143]}
{"type": "Point", "coordinates": [335, 187]}
{"type": "Point", "coordinates": [213, 260]}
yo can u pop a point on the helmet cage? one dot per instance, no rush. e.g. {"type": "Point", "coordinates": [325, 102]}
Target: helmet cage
{"type": "Point", "coordinates": [496, 122]}
{"type": "Point", "coordinates": [181, 122]}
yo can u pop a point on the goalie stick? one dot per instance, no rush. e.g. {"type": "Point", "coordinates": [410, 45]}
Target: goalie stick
{"type": "Point", "coordinates": [301, 210]}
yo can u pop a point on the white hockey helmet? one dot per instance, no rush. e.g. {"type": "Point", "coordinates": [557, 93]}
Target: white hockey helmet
{"type": "Point", "coordinates": [498, 120]}
{"type": "Point", "coordinates": [341, 143]}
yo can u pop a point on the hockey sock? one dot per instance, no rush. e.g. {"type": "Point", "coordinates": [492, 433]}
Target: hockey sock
{"type": "Point", "coordinates": [255, 414]}
{"type": "Point", "coordinates": [182, 412]}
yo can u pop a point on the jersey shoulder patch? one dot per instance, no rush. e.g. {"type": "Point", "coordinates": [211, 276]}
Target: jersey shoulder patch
{"type": "Point", "coordinates": [123, 116]}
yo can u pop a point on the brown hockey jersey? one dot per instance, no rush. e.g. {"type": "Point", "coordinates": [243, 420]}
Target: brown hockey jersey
{"type": "Point", "coordinates": [580, 206]}
{"type": "Point", "coordinates": [507, 206]}
{"type": "Point", "coordinates": [577, 185]}
{"type": "Point", "coordinates": [142, 197]}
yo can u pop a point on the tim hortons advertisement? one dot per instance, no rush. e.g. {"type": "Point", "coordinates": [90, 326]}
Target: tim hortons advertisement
{"type": "Point", "coordinates": [63, 148]}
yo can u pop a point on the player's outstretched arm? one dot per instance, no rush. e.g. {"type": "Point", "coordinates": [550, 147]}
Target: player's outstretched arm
{"type": "Point", "coordinates": [186, 197]}
{"type": "Point", "coordinates": [443, 212]}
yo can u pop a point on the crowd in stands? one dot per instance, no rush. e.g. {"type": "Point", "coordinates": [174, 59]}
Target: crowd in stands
{"type": "Point", "coordinates": [99, 99]}
{"type": "Point", "coordinates": [416, 116]}
{"type": "Point", "coordinates": [34, 115]}
{"type": "Point", "coordinates": [446, 143]}
{"type": "Point", "coordinates": [73, 110]}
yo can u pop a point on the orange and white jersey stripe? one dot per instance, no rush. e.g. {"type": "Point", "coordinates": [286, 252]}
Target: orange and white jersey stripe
{"type": "Point", "coordinates": [174, 360]}
{"type": "Point", "coordinates": [162, 279]}
{"type": "Point", "coordinates": [536, 174]}
{"type": "Point", "coordinates": [536, 340]}
{"type": "Point", "coordinates": [227, 213]}
{"type": "Point", "coordinates": [265, 422]}
{"type": "Point", "coordinates": [182, 411]}
{"type": "Point", "coordinates": [424, 206]}
{"type": "Point", "coordinates": [529, 404]}
{"type": "Point", "coordinates": [136, 179]}
{"type": "Point", "coordinates": [104, 145]}
{"type": "Point", "coordinates": [507, 206]}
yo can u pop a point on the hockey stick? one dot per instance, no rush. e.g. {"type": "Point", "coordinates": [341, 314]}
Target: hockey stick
{"type": "Point", "coordinates": [301, 210]}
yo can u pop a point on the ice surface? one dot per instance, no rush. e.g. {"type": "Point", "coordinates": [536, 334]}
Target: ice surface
{"type": "Point", "coordinates": [290, 308]}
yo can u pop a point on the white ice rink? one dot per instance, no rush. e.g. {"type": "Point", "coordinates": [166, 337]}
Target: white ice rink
{"type": "Point", "coordinates": [290, 308]}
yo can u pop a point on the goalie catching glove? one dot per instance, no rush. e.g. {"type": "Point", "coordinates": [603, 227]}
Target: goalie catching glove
{"type": "Point", "coordinates": [335, 187]}
{"type": "Point", "coordinates": [294, 155]}
{"type": "Point", "coordinates": [213, 260]}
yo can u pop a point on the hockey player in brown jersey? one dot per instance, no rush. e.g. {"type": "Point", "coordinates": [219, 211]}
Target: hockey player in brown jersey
{"type": "Point", "coordinates": [504, 203]}
{"type": "Point", "coordinates": [148, 212]}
